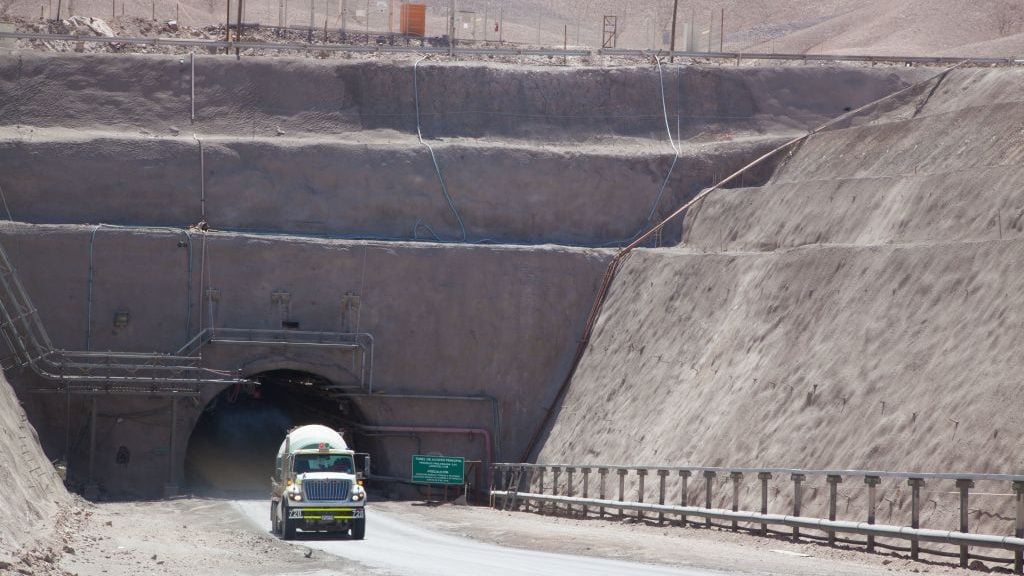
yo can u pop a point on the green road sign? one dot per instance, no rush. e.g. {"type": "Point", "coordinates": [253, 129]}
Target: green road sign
{"type": "Point", "coordinates": [438, 469]}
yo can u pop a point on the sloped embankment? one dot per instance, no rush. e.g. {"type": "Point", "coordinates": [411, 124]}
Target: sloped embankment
{"type": "Point", "coordinates": [35, 501]}
{"type": "Point", "coordinates": [862, 310]}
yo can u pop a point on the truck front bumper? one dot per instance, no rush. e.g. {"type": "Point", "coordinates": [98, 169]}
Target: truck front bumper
{"type": "Point", "coordinates": [321, 515]}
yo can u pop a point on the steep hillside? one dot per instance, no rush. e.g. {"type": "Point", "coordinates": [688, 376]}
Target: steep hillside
{"type": "Point", "coordinates": [862, 310]}
{"type": "Point", "coordinates": [35, 502]}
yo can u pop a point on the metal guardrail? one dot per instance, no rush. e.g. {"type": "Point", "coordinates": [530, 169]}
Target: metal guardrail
{"type": "Point", "coordinates": [807, 472]}
{"type": "Point", "coordinates": [534, 475]}
{"type": "Point", "coordinates": [506, 52]}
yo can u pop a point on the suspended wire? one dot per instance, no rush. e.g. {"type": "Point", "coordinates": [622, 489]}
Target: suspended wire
{"type": "Point", "coordinates": [433, 157]}
{"type": "Point", "coordinates": [671, 141]}
{"type": "Point", "coordinates": [3, 197]}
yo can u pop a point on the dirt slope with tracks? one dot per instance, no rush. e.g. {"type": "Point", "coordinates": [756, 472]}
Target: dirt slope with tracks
{"type": "Point", "coordinates": [36, 507]}
{"type": "Point", "coordinates": [862, 310]}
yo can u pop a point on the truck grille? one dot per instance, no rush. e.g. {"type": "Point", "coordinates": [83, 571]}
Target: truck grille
{"type": "Point", "coordinates": [319, 490]}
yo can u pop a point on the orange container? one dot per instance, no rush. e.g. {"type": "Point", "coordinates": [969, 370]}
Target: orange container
{"type": "Point", "coordinates": [414, 20]}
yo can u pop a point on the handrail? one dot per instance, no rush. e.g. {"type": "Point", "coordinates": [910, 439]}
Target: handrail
{"type": "Point", "coordinates": [362, 341]}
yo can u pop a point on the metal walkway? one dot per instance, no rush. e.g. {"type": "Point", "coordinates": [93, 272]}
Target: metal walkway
{"type": "Point", "coordinates": [148, 374]}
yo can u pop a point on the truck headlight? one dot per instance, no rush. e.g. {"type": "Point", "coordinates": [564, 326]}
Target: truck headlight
{"type": "Point", "coordinates": [356, 497]}
{"type": "Point", "coordinates": [296, 496]}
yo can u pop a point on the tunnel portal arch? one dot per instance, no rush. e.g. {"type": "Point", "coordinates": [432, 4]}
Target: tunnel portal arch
{"type": "Point", "coordinates": [234, 441]}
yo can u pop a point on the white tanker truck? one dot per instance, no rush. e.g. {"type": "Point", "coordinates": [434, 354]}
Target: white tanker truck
{"type": "Point", "coordinates": [315, 486]}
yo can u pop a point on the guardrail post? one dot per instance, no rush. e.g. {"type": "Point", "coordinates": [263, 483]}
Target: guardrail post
{"type": "Point", "coordinates": [603, 473]}
{"type": "Point", "coordinates": [798, 495]}
{"type": "Point", "coordinates": [622, 489]}
{"type": "Point", "coordinates": [709, 479]}
{"type": "Point", "coordinates": [495, 471]}
{"type": "Point", "coordinates": [915, 514]}
{"type": "Point", "coordinates": [528, 472]}
{"type": "Point", "coordinates": [684, 494]}
{"type": "Point", "coordinates": [1018, 531]}
{"type": "Point", "coordinates": [872, 482]}
{"type": "Point", "coordinates": [556, 471]}
{"type": "Point", "coordinates": [965, 487]}
{"type": "Point", "coordinates": [834, 480]}
{"type": "Point", "coordinates": [569, 473]}
{"type": "Point", "coordinates": [642, 473]}
{"type": "Point", "coordinates": [586, 489]}
{"type": "Point", "coordinates": [737, 480]}
{"type": "Point", "coordinates": [661, 493]}
{"type": "Point", "coordinates": [764, 477]}
{"type": "Point", "coordinates": [540, 486]}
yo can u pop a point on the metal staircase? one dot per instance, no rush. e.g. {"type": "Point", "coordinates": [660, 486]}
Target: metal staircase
{"type": "Point", "coordinates": [126, 373]}
{"type": "Point", "coordinates": [515, 477]}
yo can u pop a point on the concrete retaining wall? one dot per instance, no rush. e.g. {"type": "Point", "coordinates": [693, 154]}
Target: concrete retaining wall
{"type": "Point", "coordinates": [516, 194]}
{"type": "Point", "coordinates": [256, 96]}
{"type": "Point", "coordinates": [500, 321]}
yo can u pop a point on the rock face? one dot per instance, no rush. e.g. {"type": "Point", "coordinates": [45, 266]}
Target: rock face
{"type": "Point", "coordinates": [89, 25]}
{"type": "Point", "coordinates": [34, 492]}
{"type": "Point", "coordinates": [862, 310]}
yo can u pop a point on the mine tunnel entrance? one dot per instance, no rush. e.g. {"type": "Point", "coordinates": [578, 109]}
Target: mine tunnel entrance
{"type": "Point", "coordinates": [234, 443]}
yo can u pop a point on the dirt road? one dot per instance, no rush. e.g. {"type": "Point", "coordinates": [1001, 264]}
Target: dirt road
{"type": "Point", "coordinates": [413, 538]}
{"type": "Point", "coordinates": [396, 545]}
{"type": "Point", "coordinates": [215, 536]}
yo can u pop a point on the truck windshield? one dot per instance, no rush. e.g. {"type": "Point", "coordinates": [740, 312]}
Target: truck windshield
{"type": "Point", "coordinates": [323, 463]}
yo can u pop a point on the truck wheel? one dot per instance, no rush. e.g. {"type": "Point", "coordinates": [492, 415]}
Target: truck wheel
{"type": "Point", "coordinates": [273, 517]}
{"type": "Point", "coordinates": [287, 524]}
{"type": "Point", "coordinates": [359, 528]}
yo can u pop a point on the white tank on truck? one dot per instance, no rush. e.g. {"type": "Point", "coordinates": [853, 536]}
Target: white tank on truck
{"type": "Point", "coordinates": [315, 485]}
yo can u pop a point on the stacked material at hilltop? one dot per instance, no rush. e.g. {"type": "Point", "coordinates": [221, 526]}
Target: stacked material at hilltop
{"type": "Point", "coordinates": [34, 495]}
{"type": "Point", "coordinates": [863, 310]}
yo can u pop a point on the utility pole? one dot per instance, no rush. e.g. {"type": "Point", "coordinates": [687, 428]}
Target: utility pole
{"type": "Point", "coordinates": [312, 24]}
{"type": "Point", "coordinates": [238, 29]}
{"type": "Point", "coordinates": [721, 32]}
{"type": "Point", "coordinates": [344, 19]}
{"type": "Point", "coordinates": [672, 44]}
{"type": "Point", "coordinates": [227, 28]}
{"type": "Point", "coordinates": [451, 28]}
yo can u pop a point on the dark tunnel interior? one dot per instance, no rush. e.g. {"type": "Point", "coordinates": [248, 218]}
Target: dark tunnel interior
{"type": "Point", "coordinates": [232, 449]}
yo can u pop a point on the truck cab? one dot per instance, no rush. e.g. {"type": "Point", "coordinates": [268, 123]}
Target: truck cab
{"type": "Point", "coordinates": [315, 487]}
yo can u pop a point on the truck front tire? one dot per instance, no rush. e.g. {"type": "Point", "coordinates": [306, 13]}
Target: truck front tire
{"type": "Point", "coordinates": [287, 524]}
{"type": "Point", "coordinates": [273, 518]}
{"type": "Point", "coordinates": [358, 528]}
